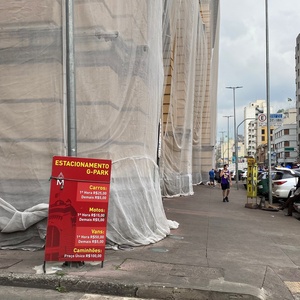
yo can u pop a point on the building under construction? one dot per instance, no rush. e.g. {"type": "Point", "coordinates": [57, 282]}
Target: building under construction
{"type": "Point", "coordinates": [144, 95]}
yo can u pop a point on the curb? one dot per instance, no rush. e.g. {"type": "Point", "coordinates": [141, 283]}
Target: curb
{"type": "Point", "coordinates": [66, 284]}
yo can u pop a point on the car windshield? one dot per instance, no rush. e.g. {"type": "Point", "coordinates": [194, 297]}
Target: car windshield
{"type": "Point", "coordinates": [265, 175]}
{"type": "Point", "coordinates": [297, 172]}
{"type": "Point", "coordinates": [284, 174]}
{"type": "Point", "coordinates": [261, 176]}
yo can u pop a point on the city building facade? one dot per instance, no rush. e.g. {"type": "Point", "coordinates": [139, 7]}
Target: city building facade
{"type": "Point", "coordinates": [251, 133]}
{"type": "Point", "coordinates": [225, 153]}
{"type": "Point", "coordinates": [297, 81]}
{"type": "Point", "coordinates": [285, 145]}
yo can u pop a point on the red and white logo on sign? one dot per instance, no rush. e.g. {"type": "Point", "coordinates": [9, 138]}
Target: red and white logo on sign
{"type": "Point", "coordinates": [262, 118]}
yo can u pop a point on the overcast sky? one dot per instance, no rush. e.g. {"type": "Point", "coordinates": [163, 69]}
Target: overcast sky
{"type": "Point", "coordinates": [242, 56]}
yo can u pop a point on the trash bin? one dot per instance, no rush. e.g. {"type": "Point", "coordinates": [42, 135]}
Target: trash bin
{"type": "Point", "coordinates": [263, 185]}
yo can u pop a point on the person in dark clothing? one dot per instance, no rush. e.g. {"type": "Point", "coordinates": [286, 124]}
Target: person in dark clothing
{"type": "Point", "coordinates": [225, 182]}
{"type": "Point", "coordinates": [212, 177]}
{"type": "Point", "coordinates": [217, 176]}
{"type": "Point", "coordinates": [289, 203]}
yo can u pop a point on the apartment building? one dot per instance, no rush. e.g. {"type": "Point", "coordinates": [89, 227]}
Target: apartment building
{"type": "Point", "coordinates": [252, 134]}
{"type": "Point", "coordinates": [285, 144]}
{"type": "Point", "coordinates": [283, 140]}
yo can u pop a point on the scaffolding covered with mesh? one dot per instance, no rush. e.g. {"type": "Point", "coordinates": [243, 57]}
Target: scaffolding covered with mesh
{"type": "Point", "coordinates": [146, 77]}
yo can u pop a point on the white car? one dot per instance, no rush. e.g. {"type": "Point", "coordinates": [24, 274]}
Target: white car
{"type": "Point", "coordinates": [284, 181]}
{"type": "Point", "coordinates": [244, 175]}
{"type": "Point", "coordinates": [232, 173]}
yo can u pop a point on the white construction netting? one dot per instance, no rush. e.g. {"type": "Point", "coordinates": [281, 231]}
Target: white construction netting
{"type": "Point", "coordinates": [145, 98]}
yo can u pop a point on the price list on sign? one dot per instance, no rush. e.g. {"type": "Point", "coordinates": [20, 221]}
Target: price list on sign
{"type": "Point", "coordinates": [78, 209]}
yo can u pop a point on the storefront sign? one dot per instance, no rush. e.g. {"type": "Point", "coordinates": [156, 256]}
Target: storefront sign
{"type": "Point", "coordinates": [78, 209]}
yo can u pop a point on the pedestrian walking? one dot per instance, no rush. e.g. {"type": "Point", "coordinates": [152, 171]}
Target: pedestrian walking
{"type": "Point", "coordinates": [217, 177]}
{"type": "Point", "coordinates": [211, 174]}
{"type": "Point", "coordinates": [225, 182]}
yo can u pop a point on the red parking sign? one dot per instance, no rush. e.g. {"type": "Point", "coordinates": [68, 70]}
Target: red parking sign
{"type": "Point", "coordinates": [78, 209]}
{"type": "Point", "coordinates": [262, 118]}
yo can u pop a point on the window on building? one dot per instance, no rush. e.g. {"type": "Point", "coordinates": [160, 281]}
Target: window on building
{"type": "Point", "coordinates": [286, 143]}
{"type": "Point", "coordinates": [286, 154]}
{"type": "Point", "coordinates": [262, 131]}
{"type": "Point", "coordinates": [263, 138]}
{"type": "Point", "coordinates": [286, 131]}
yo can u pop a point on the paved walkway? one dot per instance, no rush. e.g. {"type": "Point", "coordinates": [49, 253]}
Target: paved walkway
{"type": "Point", "coordinates": [220, 251]}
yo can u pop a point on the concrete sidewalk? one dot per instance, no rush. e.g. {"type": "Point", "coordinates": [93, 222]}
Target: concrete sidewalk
{"type": "Point", "coordinates": [220, 251]}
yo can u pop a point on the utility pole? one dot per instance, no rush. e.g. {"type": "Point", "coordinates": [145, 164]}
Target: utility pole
{"type": "Point", "coordinates": [228, 136]}
{"type": "Point", "coordinates": [222, 150]}
{"type": "Point", "coordinates": [268, 104]}
{"type": "Point", "coordinates": [71, 89]}
{"type": "Point", "coordinates": [236, 140]}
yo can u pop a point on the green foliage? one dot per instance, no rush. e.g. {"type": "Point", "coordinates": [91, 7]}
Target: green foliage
{"type": "Point", "coordinates": [61, 289]}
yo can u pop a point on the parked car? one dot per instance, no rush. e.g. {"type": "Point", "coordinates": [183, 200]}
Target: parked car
{"type": "Point", "coordinates": [244, 175]}
{"type": "Point", "coordinates": [232, 173]}
{"type": "Point", "coordinates": [240, 172]}
{"type": "Point", "coordinates": [283, 182]}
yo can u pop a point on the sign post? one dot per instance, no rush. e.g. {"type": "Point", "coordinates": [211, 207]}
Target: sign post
{"type": "Point", "coordinates": [78, 209]}
{"type": "Point", "coordinates": [251, 182]}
